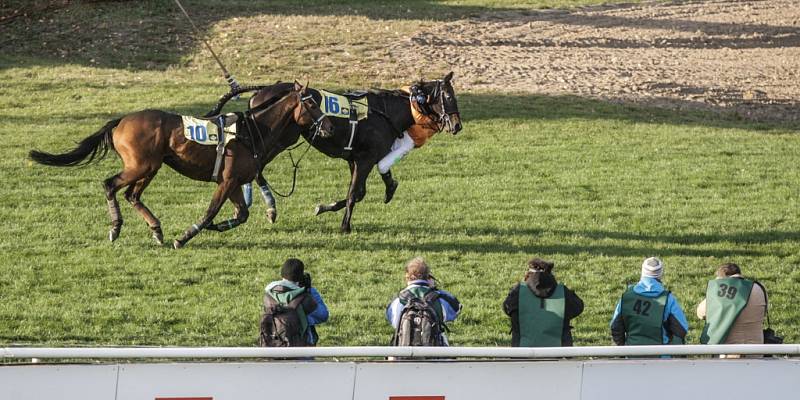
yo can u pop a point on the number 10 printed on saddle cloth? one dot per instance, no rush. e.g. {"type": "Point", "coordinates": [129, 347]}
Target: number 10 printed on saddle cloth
{"type": "Point", "coordinates": [205, 132]}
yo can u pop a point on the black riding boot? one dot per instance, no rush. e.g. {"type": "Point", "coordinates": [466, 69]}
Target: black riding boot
{"type": "Point", "coordinates": [391, 186]}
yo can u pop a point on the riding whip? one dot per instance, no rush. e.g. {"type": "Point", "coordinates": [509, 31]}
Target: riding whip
{"type": "Point", "coordinates": [228, 77]}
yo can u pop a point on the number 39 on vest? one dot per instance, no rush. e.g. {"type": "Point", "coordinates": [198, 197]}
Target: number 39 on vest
{"type": "Point", "coordinates": [725, 300]}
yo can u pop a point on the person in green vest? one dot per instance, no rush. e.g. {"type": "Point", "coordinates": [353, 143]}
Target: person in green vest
{"type": "Point", "coordinates": [647, 313]}
{"type": "Point", "coordinates": [734, 309]}
{"type": "Point", "coordinates": [541, 308]}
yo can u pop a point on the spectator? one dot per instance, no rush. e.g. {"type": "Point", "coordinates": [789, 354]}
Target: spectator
{"type": "Point", "coordinates": [734, 309]}
{"type": "Point", "coordinates": [647, 313]}
{"type": "Point", "coordinates": [541, 308]}
{"type": "Point", "coordinates": [419, 312]}
{"type": "Point", "coordinates": [292, 309]}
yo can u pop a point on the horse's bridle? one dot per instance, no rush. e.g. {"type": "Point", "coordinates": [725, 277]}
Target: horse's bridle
{"type": "Point", "coordinates": [440, 119]}
{"type": "Point", "coordinates": [317, 125]}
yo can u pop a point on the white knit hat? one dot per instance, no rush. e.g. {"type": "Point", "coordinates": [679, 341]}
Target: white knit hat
{"type": "Point", "coordinates": [652, 268]}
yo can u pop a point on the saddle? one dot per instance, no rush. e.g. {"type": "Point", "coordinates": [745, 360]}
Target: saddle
{"type": "Point", "coordinates": [212, 131]}
{"type": "Point", "coordinates": [352, 105]}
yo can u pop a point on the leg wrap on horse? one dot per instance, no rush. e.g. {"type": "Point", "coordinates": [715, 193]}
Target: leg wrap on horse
{"type": "Point", "coordinates": [226, 225]}
{"type": "Point", "coordinates": [400, 148]}
{"type": "Point", "coordinates": [269, 199]}
{"type": "Point", "coordinates": [113, 211]}
{"type": "Point", "coordinates": [247, 188]}
{"type": "Point", "coordinates": [266, 194]}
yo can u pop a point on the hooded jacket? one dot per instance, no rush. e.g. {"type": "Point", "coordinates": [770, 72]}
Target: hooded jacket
{"type": "Point", "coordinates": [674, 325]}
{"type": "Point", "coordinates": [314, 307]}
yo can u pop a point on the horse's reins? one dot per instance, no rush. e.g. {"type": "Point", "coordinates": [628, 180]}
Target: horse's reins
{"type": "Point", "coordinates": [228, 77]}
{"type": "Point", "coordinates": [317, 126]}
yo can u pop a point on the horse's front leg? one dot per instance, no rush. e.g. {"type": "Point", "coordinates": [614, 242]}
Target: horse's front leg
{"type": "Point", "coordinates": [240, 214]}
{"type": "Point", "coordinates": [220, 195]}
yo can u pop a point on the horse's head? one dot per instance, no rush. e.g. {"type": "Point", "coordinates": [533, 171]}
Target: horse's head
{"type": "Point", "coordinates": [308, 115]}
{"type": "Point", "coordinates": [439, 100]}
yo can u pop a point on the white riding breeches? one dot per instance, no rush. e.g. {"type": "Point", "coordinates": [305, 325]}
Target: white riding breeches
{"type": "Point", "coordinates": [400, 148]}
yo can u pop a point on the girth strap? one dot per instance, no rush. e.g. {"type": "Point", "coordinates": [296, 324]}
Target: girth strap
{"type": "Point", "coordinates": [220, 147]}
{"type": "Point", "coordinates": [353, 124]}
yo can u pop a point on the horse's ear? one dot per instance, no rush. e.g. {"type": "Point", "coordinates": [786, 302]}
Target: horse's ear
{"type": "Point", "coordinates": [297, 86]}
{"type": "Point", "coordinates": [305, 88]}
{"type": "Point", "coordinates": [448, 77]}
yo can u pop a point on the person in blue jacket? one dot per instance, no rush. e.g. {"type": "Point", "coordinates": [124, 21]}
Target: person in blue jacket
{"type": "Point", "coordinates": [648, 313]}
{"type": "Point", "coordinates": [295, 277]}
{"type": "Point", "coordinates": [419, 282]}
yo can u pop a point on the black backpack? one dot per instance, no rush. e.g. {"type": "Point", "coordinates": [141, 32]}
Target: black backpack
{"type": "Point", "coordinates": [281, 325]}
{"type": "Point", "coordinates": [420, 324]}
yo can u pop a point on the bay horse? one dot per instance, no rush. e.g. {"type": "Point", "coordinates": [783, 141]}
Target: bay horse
{"type": "Point", "coordinates": [145, 140]}
{"type": "Point", "coordinates": [389, 115]}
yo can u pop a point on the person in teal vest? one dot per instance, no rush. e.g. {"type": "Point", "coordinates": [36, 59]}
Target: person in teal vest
{"type": "Point", "coordinates": [541, 308]}
{"type": "Point", "coordinates": [295, 282]}
{"type": "Point", "coordinates": [734, 309]}
{"type": "Point", "coordinates": [647, 313]}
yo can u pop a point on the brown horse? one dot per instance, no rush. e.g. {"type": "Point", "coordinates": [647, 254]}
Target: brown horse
{"type": "Point", "coordinates": [147, 139]}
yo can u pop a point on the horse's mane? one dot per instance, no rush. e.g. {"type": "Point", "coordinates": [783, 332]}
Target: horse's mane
{"type": "Point", "coordinates": [388, 92]}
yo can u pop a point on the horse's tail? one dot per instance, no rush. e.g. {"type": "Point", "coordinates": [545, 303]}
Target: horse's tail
{"type": "Point", "coordinates": [92, 148]}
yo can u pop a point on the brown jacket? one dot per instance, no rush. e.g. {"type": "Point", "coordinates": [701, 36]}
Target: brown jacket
{"type": "Point", "coordinates": [748, 327]}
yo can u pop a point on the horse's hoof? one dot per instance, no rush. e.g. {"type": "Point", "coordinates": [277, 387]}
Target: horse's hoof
{"type": "Point", "coordinates": [272, 215]}
{"type": "Point", "coordinates": [318, 210]}
{"type": "Point", "coordinates": [390, 192]}
{"type": "Point", "coordinates": [158, 236]}
{"type": "Point", "coordinates": [177, 244]}
{"type": "Point", "coordinates": [113, 234]}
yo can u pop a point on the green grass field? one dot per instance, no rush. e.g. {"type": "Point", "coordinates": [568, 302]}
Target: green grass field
{"type": "Point", "coordinates": [594, 186]}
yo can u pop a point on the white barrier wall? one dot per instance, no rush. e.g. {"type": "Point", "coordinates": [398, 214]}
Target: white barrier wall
{"type": "Point", "coordinates": [469, 380]}
{"type": "Point", "coordinates": [553, 380]}
{"type": "Point", "coordinates": [88, 382]}
{"type": "Point", "coordinates": [272, 380]}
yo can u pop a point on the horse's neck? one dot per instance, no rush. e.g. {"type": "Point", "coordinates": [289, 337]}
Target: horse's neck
{"type": "Point", "coordinates": [397, 109]}
{"type": "Point", "coordinates": [277, 120]}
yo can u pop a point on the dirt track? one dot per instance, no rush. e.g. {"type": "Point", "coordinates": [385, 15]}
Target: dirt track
{"type": "Point", "coordinates": [727, 56]}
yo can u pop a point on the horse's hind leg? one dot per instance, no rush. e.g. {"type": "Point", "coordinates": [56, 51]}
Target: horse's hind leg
{"type": "Point", "coordinates": [111, 185]}
{"type": "Point", "coordinates": [224, 190]}
{"type": "Point", "coordinates": [240, 214]}
{"type": "Point", "coordinates": [269, 199]}
{"type": "Point", "coordinates": [133, 195]}
{"type": "Point", "coordinates": [338, 205]}
{"type": "Point", "coordinates": [323, 208]}
{"type": "Point", "coordinates": [357, 191]}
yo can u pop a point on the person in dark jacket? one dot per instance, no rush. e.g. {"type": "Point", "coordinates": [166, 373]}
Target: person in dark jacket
{"type": "Point", "coordinates": [541, 308]}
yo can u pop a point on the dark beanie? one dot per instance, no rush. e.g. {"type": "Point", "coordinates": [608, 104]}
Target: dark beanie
{"type": "Point", "coordinates": [292, 270]}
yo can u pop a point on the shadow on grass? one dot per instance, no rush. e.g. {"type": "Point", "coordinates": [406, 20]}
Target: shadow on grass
{"type": "Point", "coordinates": [522, 107]}
{"type": "Point", "coordinates": [489, 240]}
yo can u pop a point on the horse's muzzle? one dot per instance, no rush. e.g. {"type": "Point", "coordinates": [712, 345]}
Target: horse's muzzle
{"type": "Point", "coordinates": [324, 127]}
{"type": "Point", "coordinates": [455, 123]}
